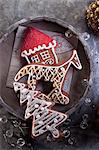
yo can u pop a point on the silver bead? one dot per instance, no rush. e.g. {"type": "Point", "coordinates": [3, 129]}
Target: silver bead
{"type": "Point", "coordinates": [21, 142]}
{"type": "Point", "coordinates": [9, 133]}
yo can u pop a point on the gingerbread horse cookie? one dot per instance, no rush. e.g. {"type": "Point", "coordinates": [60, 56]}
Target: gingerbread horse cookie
{"type": "Point", "coordinates": [55, 74]}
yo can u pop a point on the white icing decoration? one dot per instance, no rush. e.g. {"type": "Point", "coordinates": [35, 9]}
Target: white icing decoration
{"type": "Point", "coordinates": [33, 51]}
{"type": "Point", "coordinates": [43, 119]}
{"type": "Point", "coordinates": [54, 74]}
{"type": "Point", "coordinates": [29, 52]}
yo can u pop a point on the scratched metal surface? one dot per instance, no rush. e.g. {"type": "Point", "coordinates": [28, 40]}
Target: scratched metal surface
{"type": "Point", "coordinates": [72, 12]}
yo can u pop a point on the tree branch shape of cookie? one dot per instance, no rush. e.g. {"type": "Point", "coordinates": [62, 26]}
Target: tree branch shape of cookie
{"type": "Point", "coordinates": [38, 107]}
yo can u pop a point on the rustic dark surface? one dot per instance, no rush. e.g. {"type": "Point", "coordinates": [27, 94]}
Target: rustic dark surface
{"type": "Point", "coordinates": [71, 11]}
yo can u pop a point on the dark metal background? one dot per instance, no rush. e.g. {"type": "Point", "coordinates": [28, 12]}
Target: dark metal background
{"type": "Point", "coordinates": [72, 12]}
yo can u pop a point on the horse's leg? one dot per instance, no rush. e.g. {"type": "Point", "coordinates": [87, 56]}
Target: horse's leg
{"type": "Point", "coordinates": [31, 82]}
{"type": "Point", "coordinates": [57, 96]}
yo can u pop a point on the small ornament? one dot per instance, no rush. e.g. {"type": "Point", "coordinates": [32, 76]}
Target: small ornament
{"type": "Point", "coordinates": [38, 47]}
{"type": "Point", "coordinates": [92, 16]}
{"type": "Point", "coordinates": [20, 142]}
{"type": "Point", "coordinates": [3, 119]}
{"type": "Point", "coordinates": [9, 133]}
{"type": "Point", "coordinates": [55, 74]}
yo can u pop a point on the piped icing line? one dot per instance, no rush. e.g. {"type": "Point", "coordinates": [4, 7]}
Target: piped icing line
{"type": "Point", "coordinates": [36, 49]}
{"type": "Point", "coordinates": [55, 74]}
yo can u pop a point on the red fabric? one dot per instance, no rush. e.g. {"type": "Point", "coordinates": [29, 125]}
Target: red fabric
{"type": "Point", "coordinates": [33, 37]}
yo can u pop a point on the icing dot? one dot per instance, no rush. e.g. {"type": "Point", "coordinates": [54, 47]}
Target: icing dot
{"type": "Point", "coordinates": [43, 69]}
{"type": "Point", "coordinates": [48, 127]}
{"type": "Point", "coordinates": [36, 106]}
{"type": "Point", "coordinates": [28, 96]}
{"type": "Point", "coordinates": [37, 116]}
{"type": "Point", "coordinates": [61, 116]}
{"type": "Point", "coordinates": [55, 90]}
{"type": "Point", "coordinates": [42, 108]}
{"type": "Point", "coordinates": [61, 68]}
{"type": "Point", "coordinates": [40, 122]}
{"type": "Point", "coordinates": [55, 120]}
